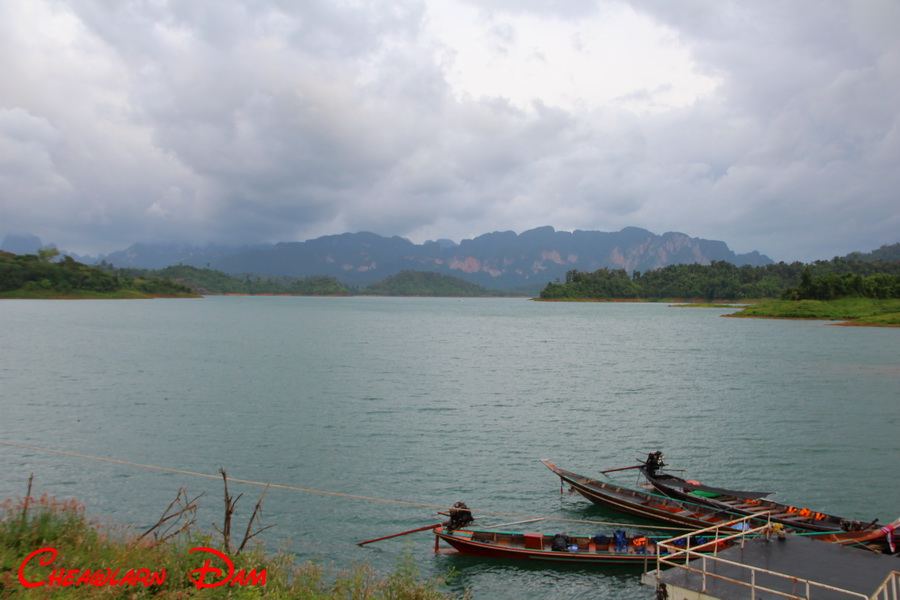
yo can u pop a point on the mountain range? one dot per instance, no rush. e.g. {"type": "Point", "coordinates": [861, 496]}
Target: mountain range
{"type": "Point", "coordinates": [500, 260]}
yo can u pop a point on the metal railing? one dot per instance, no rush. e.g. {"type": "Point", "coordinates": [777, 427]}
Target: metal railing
{"type": "Point", "coordinates": [890, 589]}
{"type": "Point", "coordinates": [681, 553]}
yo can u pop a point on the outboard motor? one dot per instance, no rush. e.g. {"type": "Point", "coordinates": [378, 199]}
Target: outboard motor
{"type": "Point", "coordinates": [460, 516]}
{"type": "Point", "coordinates": [654, 462]}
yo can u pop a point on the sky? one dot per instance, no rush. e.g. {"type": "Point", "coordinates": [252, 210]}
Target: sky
{"type": "Point", "coordinates": [772, 126]}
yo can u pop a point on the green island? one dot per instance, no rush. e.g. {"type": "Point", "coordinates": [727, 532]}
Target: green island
{"type": "Point", "coordinates": [850, 311]}
{"type": "Point", "coordinates": [37, 276]}
{"type": "Point", "coordinates": [95, 560]}
{"type": "Point", "coordinates": [862, 289]}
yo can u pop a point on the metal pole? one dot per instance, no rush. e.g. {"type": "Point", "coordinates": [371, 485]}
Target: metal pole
{"type": "Point", "coordinates": [704, 575]}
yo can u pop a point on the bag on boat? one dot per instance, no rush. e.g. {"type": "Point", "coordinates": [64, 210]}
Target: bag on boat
{"type": "Point", "coordinates": [560, 543]}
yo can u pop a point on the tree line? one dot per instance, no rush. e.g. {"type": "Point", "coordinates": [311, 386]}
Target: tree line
{"type": "Point", "coordinates": [46, 274]}
{"type": "Point", "coordinates": [210, 281]}
{"type": "Point", "coordinates": [427, 283]}
{"type": "Point", "coordinates": [405, 283]}
{"type": "Point", "coordinates": [833, 286]}
{"type": "Point", "coordinates": [854, 275]}
{"type": "Point", "coordinates": [42, 274]}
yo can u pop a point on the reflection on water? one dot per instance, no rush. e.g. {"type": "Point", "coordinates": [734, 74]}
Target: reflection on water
{"type": "Point", "coordinates": [509, 579]}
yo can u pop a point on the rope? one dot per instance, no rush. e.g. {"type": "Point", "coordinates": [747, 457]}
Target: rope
{"type": "Point", "coordinates": [309, 491]}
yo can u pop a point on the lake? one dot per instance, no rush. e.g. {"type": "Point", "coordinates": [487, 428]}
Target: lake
{"type": "Point", "coordinates": [423, 402]}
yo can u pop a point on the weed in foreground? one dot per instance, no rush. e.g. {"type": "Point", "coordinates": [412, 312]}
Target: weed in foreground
{"type": "Point", "coordinates": [28, 524]}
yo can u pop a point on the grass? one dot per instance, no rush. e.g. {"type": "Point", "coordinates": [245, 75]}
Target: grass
{"type": "Point", "coordinates": [708, 305]}
{"type": "Point", "coordinates": [28, 524]}
{"type": "Point", "coordinates": [855, 311]}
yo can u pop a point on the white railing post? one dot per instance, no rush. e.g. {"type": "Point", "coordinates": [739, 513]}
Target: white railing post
{"type": "Point", "coordinates": [704, 574]}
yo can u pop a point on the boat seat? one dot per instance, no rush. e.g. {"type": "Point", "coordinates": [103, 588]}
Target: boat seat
{"type": "Point", "coordinates": [795, 519]}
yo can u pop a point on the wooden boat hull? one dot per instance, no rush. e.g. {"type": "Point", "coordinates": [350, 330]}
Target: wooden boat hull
{"type": "Point", "coordinates": [691, 514]}
{"type": "Point", "coordinates": [640, 503]}
{"type": "Point", "coordinates": [509, 545]}
{"type": "Point", "coordinates": [801, 519]}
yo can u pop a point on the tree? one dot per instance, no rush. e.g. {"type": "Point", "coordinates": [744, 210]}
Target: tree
{"type": "Point", "coordinates": [47, 254]}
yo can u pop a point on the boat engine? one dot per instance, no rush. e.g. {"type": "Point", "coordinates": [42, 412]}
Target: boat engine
{"type": "Point", "coordinates": [460, 516]}
{"type": "Point", "coordinates": [850, 525]}
{"type": "Point", "coordinates": [654, 462]}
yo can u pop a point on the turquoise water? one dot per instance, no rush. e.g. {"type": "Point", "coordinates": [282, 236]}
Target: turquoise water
{"type": "Point", "coordinates": [430, 401]}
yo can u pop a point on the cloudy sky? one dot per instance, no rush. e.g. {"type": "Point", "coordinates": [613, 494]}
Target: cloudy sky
{"type": "Point", "coordinates": [772, 126]}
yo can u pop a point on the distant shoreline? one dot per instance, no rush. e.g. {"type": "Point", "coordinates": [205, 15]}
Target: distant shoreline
{"type": "Point", "coordinates": [89, 296]}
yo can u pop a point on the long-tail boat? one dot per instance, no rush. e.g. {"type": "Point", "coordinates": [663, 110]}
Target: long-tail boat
{"type": "Point", "coordinates": [692, 514]}
{"type": "Point", "coordinates": [743, 503]}
{"type": "Point", "coordinates": [615, 549]}
{"type": "Point", "coordinates": [655, 461]}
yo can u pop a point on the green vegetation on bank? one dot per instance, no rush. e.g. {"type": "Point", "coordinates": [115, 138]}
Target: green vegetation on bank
{"type": "Point", "coordinates": [858, 299]}
{"type": "Point", "coordinates": [717, 281]}
{"type": "Point", "coordinates": [856, 274]}
{"type": "Point", "coordinates": [832, 286]}
{"type": "Point", "coordinates": [405, 283]}
{"type": "Point", "coordinates": [856, 311]}
{"type": "Point", "coordinates": [210, 281]}
{"type": "Point", "coordinates": [861, 289]}
{"type": "Point", "coordinates": [425, 283]}
{"type": "Point", "coordinates": [38, 276]}
{"type": "Point", "coordinates": [29, 524]}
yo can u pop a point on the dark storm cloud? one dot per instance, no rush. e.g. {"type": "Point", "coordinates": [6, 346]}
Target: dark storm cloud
{"type": "Point", "coordinates": [275, 121]}
{"type": "Point", "coordinates": [804, 124]}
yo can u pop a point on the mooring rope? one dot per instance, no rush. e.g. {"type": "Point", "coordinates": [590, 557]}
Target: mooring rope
{"type": "Point", "coordinates": [320, 492]}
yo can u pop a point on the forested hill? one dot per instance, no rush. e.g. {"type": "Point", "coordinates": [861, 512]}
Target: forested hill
{"type": "Point", "coordinates": [212, 282]}
{"type": "Point", "coordinates": [38, 276]}
{"type": "Point", "coordinates": [43, 276]}
{"type": "Point", "coordinates": [406, 283]}
{"type": "Point", "coordinates": [723, 281]}
{"type": "Point", "coordinates": [889, 253]}
{"type": "Point", "coordinates": [425, 283]}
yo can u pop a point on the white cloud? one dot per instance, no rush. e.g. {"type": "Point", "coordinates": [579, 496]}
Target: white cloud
{"type": "Point", "coordinates": [613, 57]}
